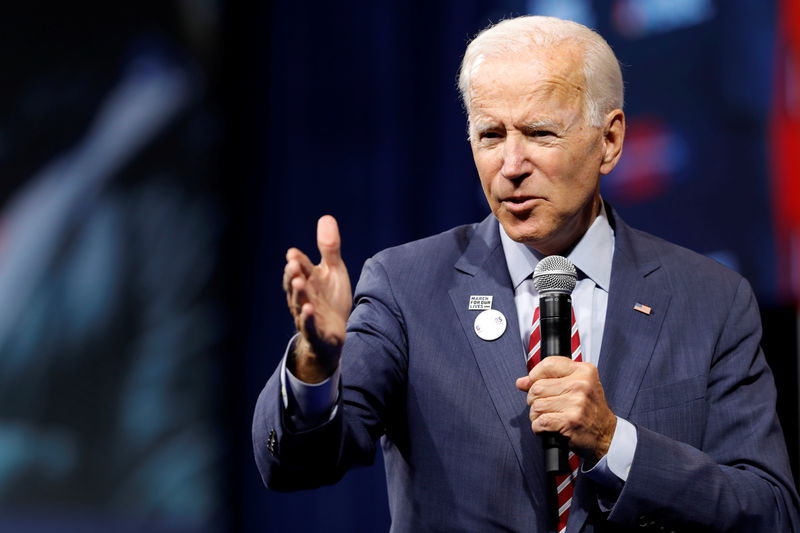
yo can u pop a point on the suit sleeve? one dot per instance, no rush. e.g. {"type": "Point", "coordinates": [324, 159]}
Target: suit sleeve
{"type": "Point", "coordinates": [372, 374]}
{"type": "Point", "coordinates": [739, 479]}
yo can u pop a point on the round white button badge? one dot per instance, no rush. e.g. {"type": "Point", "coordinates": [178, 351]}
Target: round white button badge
{"type": "Point", "coordinates": [490, 324]}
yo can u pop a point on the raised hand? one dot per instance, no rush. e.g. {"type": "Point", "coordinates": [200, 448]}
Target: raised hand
{"type": "Point", "coordinates": [320, 299]}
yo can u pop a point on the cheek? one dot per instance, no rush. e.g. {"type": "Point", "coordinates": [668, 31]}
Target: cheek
{"type": "Point", "coordinates": [575, 171]}
{"type": "Point", "coordinates": [487, 169]}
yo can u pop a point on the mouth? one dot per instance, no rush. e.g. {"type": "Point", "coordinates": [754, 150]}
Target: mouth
{"type": "Point", "coordinates": [519, 204]}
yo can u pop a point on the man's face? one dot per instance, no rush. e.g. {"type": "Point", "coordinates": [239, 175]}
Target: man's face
{"type": "Point", "coordinates": [539, 161]}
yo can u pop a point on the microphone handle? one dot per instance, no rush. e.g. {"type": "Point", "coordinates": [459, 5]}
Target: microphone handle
{"type": "Point", "coordinates": [555, 324]}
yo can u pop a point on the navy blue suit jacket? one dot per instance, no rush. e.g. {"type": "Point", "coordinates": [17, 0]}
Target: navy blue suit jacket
{"type": "Point", "coordinates": [456, 438]}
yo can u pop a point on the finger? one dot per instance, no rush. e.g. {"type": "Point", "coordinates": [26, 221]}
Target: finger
{"type": "Point", "coordinates": [305, 264]}
{"type": "Point", "coordinates": [301, 308]}
{"type": "Point", "coordinates": [298, 295]}
{"type": "Point", "coordinates": [551, 404]}
{"type": "Point", "coordinates": [290, 271]}
{"type": "Point", "coordinates": [547, 422]}
{"type": "Point", "coordinates": [328, 241]}
{"type": "Point", "coordinates": [524, 383]}
{"type": "Point", "coordinates": [553, 367]}
{"type": "Point", "coordinates": [293, 280]}
{"type": "Point", "coordinates": [550, 387]}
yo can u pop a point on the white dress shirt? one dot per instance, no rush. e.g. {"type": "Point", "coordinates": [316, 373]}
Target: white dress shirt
{"type": "Point", "coordinates": [592, 257]}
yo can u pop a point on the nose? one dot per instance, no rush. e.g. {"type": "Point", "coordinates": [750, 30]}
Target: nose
{"type": "Point", "coordinates": [515, 159]}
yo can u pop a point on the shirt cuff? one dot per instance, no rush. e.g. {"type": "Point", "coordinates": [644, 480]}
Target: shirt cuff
{"type": "Point", "coordinates": [612, 470]}
{"type": "Point", "coordinates": [309, 404]}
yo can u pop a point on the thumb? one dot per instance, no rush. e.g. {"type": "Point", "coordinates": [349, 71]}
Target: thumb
{"type": "Point", "coordinates": [328, 241]}
{"type": "Point", "coordinates": [553, 367]}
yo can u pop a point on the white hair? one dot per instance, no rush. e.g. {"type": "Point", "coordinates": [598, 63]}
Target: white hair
{"type": "Point", "coordinates": [603, 77]}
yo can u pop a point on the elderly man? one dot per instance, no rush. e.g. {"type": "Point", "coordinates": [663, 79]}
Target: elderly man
{"type": "Point", "coordinates": [673, 431]}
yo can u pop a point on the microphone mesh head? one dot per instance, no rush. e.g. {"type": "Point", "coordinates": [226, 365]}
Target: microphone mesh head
{"type": "Point", "coordinates": [555, 273]}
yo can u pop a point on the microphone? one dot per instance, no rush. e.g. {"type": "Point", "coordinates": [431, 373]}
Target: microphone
{"type": "Point", "coordinates": [555, 278]}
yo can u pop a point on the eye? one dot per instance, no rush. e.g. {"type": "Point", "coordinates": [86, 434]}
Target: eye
{"type": "Point", "coordinates": [542, 133]}
{"type": "Point", "coordinates": [490, 136]}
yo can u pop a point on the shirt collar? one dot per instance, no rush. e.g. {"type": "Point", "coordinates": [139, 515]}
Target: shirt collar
{"type": "Point", "coordinates": [592, 255]}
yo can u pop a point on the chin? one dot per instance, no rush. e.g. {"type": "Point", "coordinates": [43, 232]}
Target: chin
{"type": "Point", "coordinates": [531, 236]}
{"type": "Point", "coordinates": [520, 233]}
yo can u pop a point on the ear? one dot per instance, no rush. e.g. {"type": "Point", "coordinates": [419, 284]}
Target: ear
{"type": "Point", "coordinates": [613, 137]}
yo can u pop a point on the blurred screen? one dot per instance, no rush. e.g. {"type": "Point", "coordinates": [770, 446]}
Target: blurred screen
{"type": "Point", "coordinates": [110, 323]}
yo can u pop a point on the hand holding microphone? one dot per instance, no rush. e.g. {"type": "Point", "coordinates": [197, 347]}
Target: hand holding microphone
{"type": "Point", "coordinates": [566, 399]}
{"type": "Point", "coordinates": [555, 278]}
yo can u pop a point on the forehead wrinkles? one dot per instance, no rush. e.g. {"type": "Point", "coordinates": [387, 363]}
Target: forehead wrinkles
{"type": "Point", "coordinates": [554, 72]}
{"type": "Point", "coordinates": [555, 99]}
{"type": "Point", "coordinates": [557, 87]}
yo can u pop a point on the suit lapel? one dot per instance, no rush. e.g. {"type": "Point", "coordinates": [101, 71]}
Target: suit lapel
{"type": "Point", "coordinates": [501, 361]}
{"type": "Point", "coordinates": [630, 335]}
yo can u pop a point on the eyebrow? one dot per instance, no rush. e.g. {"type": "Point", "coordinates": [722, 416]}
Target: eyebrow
{"type": "Point", "coordinates": [542, 125]}
{"type": "Point", "coordinates": [539, 124]}
{"type": "Point", "coordinates": [481, 126]}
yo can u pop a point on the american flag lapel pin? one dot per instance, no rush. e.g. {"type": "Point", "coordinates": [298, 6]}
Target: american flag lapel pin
{"type": "Point", "coordinates": [646, 309]}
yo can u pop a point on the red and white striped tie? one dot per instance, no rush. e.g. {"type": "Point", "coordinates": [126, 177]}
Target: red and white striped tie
{"type": "Point", "coordinates": [565, 484]}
